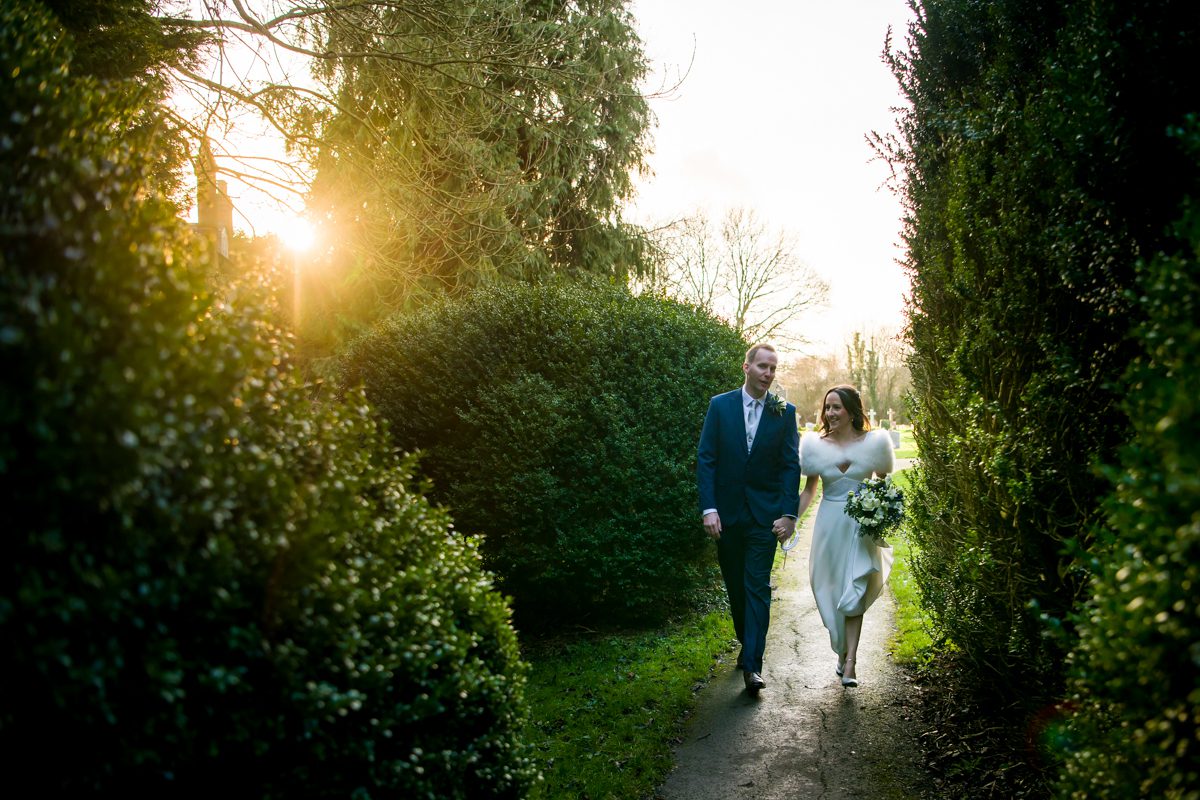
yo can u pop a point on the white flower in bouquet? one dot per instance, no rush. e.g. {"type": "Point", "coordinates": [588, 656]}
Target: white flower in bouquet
{"type": "Point", "coordinates": [877, 505]}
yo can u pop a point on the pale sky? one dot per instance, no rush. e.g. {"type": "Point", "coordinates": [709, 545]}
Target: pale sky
{"type": "Point", "coordinates": [773, 116]}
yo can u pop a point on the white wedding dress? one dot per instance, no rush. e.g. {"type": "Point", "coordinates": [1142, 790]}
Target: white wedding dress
{"type": "Point", "coordinates": [847, 571]}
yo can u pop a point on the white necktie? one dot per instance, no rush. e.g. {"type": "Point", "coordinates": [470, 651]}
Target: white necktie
{"type": "Point", "coordinates": [751, 424]}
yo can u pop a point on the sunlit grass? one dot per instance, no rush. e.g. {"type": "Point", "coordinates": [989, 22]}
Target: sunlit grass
{"type": "Point", "coordinates": [607, 708]}
{"type": "Point", "coordinates": [908, 444]}
{"type": "Point", "coordinates": [911, 644]}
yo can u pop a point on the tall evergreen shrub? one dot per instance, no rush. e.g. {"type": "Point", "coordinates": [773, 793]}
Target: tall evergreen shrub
{"type": "Point", "coordinates": [1037, 170]}
{"type": "Point", "coordinates": [211, 585]}
{"type": "Point", "coordinates": [561, 422]}
{"type": "Point", "coordinates": [1136, 668]}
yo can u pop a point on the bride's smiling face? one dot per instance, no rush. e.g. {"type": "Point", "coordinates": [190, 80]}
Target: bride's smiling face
{"type": "Point", "coordinates": [835, 413]}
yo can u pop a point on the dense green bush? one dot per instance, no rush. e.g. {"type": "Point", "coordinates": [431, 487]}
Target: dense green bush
{"type": "Point", "coordinates": [561, 421]}
{"type": "Point", "coordinates": [211, 584]}
{"type": "Point", "coordinates": [1037, 170]}
{"type": "Point", "coordinates": [1136, 668]}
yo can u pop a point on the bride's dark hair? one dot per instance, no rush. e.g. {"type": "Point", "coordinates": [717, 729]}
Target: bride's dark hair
{"type": "Point", "coordinates": [852, 402]}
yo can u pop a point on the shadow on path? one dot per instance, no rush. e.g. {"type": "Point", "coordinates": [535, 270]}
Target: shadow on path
{"type": "Point", "coordinates": [805, 736]}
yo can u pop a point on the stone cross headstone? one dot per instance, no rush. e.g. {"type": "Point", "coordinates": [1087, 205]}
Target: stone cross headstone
{"type": "Point", "coordinates": [891, 419]}
{"type": "Point", "coordinates": [871, 415]}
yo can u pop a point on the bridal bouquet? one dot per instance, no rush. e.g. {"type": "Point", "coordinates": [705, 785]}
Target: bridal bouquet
{"type": "Point", "coordinates": [877, 505]}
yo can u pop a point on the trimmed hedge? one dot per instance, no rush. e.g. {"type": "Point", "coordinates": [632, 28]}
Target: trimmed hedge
{"type": "Point", "coordinates": [561, 422]}
{"type": "Point", "coordinates": [1055, 345]}
{"type": "Point", "coordinates": [1136, 668]}
{"type": "Point", "coordinates": [1037, 171]}
{"type": "Point", "coordinates": [212, 583]}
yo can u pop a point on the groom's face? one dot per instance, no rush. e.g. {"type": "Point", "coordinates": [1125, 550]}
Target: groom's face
{"type": "Point", "coordinates": [760, 372]}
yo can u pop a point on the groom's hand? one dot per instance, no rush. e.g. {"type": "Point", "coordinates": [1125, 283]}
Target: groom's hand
{"type": "Point", "coordinates": [712, 525]}
{"type": "Point", "coordinates": [783, 528]}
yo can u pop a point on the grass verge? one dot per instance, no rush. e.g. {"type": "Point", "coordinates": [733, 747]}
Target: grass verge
{"type": "Point", "coordinates": [607, 708]}
{"type": "Point", "coordinates": [911, 644]}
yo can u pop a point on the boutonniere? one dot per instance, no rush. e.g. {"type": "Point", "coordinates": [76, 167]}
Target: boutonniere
{"type": "Point", "coordinates": [776, 404]}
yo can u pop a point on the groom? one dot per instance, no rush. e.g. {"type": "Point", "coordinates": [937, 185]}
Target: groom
{"type": "Point", "coordinates": [748, 472]}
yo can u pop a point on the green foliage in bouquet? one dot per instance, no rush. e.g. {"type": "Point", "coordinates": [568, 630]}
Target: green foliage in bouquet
{"type": "Point", "coordinates": [561, 422]}
{"type": "Point", "coordinates": [211, 585]}
{"type": "Point", "coordinates": [1136, 668]}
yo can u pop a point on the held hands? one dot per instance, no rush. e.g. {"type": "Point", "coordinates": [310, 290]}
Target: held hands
{"type": "Point", "coordinates": [783, 529]}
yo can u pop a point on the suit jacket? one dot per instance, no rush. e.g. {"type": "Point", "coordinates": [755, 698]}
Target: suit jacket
{"type": "Point", "coordinates": [765, 482]}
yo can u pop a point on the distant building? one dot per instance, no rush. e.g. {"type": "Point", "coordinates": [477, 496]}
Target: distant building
{"type": "Point", "coordinates": [214, 209]}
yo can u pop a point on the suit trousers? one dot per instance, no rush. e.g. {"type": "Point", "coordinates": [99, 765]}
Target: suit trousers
{"type": "Point", "coordinates": [746, 552]}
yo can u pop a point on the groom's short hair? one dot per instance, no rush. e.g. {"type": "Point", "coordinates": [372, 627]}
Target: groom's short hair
{"type": "Point", "coordinates": [753, 351]}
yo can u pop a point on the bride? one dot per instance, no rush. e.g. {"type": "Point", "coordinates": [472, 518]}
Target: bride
{"type": "Point", "coordinates": [846, 571]}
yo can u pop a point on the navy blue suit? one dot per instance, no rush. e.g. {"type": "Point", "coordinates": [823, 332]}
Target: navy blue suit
{"type": "Point", "coordinates": [749, 490]}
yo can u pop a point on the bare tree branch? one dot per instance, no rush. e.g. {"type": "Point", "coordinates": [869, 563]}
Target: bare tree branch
{"type": "Point", "coordinates": [745, 273]}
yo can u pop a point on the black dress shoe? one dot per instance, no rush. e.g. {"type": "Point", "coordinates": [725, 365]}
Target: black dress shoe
{"type": "Point", "coordinates": [754, 682]}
